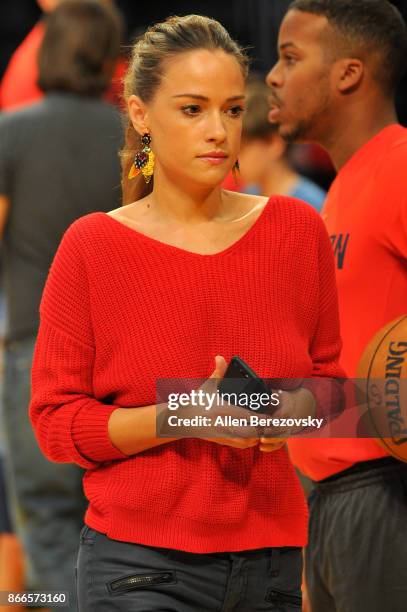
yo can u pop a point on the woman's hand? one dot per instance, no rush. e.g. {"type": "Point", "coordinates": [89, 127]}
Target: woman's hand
{"type": "Point", "coordinates": [220, 422]}
{"type": "Point", "coordinates": [240, 436]}
{"type": "Point", "coordinates": [298, 405]}
{"type": "Point", "coordinates": [265, 444]}
{"type": "Point", "coordinates": [269, 445]}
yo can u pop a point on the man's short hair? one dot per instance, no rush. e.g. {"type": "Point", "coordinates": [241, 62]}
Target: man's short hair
{"type": "Point", "coordinates": [80, 47]}
{"type": "Point", "coordinates": [370, 29]}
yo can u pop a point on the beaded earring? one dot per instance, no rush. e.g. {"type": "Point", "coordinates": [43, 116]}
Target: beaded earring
{"type": "Point", "coordinates": [144, 160]}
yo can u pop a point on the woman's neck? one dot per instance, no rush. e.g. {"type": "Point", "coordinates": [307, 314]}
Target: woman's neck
{"type": "Point", "coordinates": [185, 203]}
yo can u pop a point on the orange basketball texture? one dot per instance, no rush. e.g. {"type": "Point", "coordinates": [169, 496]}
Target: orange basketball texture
{"type": "Point", "coordinates": [383, 368]}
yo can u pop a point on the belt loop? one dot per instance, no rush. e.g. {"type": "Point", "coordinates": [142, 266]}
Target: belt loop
{"type": "Point", "coordinates": [274, 562]}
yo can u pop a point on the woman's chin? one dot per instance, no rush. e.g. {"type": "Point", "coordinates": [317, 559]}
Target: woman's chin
{"type": "Point", "coordinates": [213, 176]}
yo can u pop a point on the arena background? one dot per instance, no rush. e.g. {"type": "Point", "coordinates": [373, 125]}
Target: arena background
{"type": "Point", "coordinates": [254, 23]}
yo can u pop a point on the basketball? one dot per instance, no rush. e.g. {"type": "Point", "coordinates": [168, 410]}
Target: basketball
{"type": "Point", "coordinates": [383, 370]}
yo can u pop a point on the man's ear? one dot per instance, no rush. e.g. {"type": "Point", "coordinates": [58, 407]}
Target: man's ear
{"type": "Point", "coordinates": [348, 74]}
{"type": "Point", "coordinates": [138, 114]}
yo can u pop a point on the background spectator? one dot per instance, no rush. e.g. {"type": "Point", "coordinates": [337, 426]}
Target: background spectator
{"type": "Point", "coordinates": [58, 161]}
{"type": "Point", "coordinates": [19, 85]}
{"type": "Point", "coordinates": [264, 158]}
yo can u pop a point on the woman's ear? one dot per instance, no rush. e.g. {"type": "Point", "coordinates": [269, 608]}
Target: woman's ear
{"type": "Point", "coordinates": [138, 114]}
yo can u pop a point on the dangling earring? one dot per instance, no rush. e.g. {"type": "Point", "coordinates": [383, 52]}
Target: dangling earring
{"type": "Point", "coordinates": [235, 171]}
{"type": "Point", "coordinates": [144, 160]}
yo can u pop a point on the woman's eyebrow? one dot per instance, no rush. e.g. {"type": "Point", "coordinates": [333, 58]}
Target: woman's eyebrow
{"type": "Point", "coordinates": [199, 97]}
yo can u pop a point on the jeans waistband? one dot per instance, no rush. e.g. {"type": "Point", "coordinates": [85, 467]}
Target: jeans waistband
{"type": "Point", "coordinates": [362, 474]}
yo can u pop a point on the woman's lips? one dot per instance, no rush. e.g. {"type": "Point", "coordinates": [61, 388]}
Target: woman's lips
{"type": "Point", "coordinates": [213, 159]}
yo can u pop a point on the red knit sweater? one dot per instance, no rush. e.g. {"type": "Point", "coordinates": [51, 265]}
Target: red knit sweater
{"type": "Point", "coordinates": [121, 310]}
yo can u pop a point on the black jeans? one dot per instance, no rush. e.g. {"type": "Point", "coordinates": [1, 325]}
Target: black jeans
{"type": "Point", "coordinates": [119, 576]}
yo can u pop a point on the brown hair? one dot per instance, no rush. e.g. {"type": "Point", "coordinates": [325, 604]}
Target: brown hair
{"type": "Point", "coordinates": [80, 47]}
{"type": "Point", "coordinates": [256, 125]}
{"type": "Point", "coordinates": [159, 43]}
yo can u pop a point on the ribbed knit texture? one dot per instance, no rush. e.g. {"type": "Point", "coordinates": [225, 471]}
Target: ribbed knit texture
{"type": "Point", "coordinates": [121, 310]}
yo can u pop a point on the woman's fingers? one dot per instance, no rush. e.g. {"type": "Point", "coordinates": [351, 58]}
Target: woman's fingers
{"type": "Point", "coordinates": [269, 445]}
{"type": "Point", "coordinates": [220, 367]}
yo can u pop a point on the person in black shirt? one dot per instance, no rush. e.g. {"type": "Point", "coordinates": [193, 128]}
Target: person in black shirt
{"type": "Point", "coordinates": [59, 160]}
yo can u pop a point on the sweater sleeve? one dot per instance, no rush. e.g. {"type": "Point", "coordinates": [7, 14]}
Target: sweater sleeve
{"type": "Point", "coordinates": [71, 426]}
{"type": "Point", "coordinates": [328, 376]}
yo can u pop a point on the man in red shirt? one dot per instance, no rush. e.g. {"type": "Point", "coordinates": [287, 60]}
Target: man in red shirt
{"type": "Point", "coordinates": [339, 64]}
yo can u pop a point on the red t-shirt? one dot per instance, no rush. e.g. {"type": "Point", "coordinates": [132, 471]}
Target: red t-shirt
{"type": "Point", "coordinates": [366, 217]}
{"type": "Point", "coordinates": [18, 86]}
{"type": "Point", "coordinates": [121, 310]}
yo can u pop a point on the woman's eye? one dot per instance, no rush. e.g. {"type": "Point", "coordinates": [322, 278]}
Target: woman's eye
{"type": "Point", "coordinates": [236, 111]}
{"type": "Point", "coordinates": [191, 109]}
{"type": "Point", "coordinates": [289, 59]}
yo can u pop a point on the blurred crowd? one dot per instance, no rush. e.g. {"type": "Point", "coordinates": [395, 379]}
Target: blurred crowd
{"type": "Point", "coordinates": [60, 136]}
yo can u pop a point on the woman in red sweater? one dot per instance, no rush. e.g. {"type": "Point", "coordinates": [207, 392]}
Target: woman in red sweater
{"type": "Point", "coordinates": [155, 290]}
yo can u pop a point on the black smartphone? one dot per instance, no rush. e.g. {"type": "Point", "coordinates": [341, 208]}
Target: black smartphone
{"type": "Point", "coordinates": [242, 381]}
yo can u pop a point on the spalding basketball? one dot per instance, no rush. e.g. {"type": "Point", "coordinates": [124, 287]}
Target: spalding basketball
{"type": "Point", "coordinates": [383, 368]}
